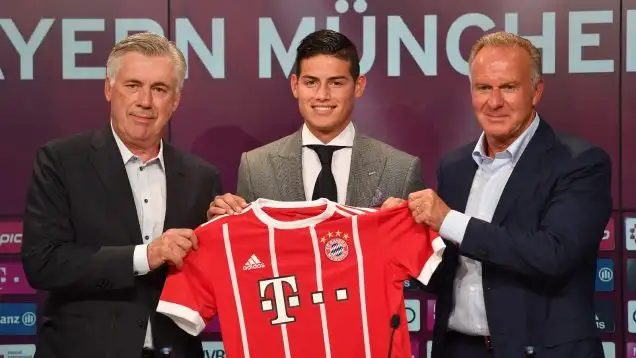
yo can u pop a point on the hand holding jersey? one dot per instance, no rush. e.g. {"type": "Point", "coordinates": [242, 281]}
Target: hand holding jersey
{"type": "Point", "coordinates": [171, 247]}
{"type": "Point", "coordinates": [226, 204]}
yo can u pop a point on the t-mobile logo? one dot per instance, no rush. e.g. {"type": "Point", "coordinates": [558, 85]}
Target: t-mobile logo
{"type": "Point", "coordinates": [280, 301]}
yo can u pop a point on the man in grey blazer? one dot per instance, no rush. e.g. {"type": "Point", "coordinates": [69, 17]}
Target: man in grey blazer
{"type": "Point", "coordinates": [327, 156]}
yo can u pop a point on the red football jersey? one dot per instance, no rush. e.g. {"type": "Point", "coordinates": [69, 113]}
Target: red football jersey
{"type": "Point", "coordinates": [303, 279]}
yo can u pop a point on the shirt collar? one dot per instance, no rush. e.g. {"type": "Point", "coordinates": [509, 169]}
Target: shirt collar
{"type": "Point", "coordinates": [345, 138]}
{"type": "Point", "coordinates": [127, 155]}
{"type": "Point", "coordinates": [514, 151]}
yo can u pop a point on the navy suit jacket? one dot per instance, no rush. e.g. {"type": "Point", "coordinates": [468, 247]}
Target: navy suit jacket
{"type": "Point", "coordinates": [539, 252]}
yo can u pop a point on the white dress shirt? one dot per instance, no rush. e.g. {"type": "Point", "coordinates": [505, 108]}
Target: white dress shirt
{"type": "Point", "coordinates": [469, 313]}
{"type": "Point", "coordinates": [340, 165]}
{"type": "Point", "coordinates": [148, 184]}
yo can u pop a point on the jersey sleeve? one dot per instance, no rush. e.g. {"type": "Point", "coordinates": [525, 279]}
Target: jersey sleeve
{"type": "Point", "coordinates": [187, 297]}
{"type": "Point", "coordinates": [415, 249]}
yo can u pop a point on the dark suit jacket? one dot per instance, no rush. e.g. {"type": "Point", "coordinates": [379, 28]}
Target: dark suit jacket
{"type": "Point", "coordinates": [80, 230]}
{"type": "Point", "coordinates": [539, 253]}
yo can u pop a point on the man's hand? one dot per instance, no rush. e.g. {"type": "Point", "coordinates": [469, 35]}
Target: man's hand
{"type": "Point", "coordinates": [226, 204]}
{"type": "Point", "coordinates": [171, 247]}
{"type": "Point", "coordinates": [428, 208]}
{"type": "Point", "coordinates": [391, 202]}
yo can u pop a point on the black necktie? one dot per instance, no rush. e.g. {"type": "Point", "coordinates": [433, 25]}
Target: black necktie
{"type": "Point", "coordinates": [325, 184]}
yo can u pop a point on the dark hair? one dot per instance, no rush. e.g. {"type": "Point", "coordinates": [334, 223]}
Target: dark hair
{"type": "Point", "coordinates": [332, 43]}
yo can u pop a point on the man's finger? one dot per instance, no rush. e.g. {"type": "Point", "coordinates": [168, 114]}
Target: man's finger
{"type": "Point", "coordinates": [195, 241]}
{"type": "Point", "coordinates": [415, 203]}
{"type": "Point", "coordinates": [182, 243]}
{"type": "Point", "coordinates": [391, 203]}
{"type": "Point", "coordinates": [234, 204]}
{"type": "Point", "coordinates": [419, 218]}
{"type": "Point", "coordinates": [221, 202]}
{"type": "Point", "coordinates": [241, 201]}
{"type": "Point", "coordinates": [416, 195]}
{"type": "Point", "coordinates": [215, 211]}
{"type": "Point", "coordinates": [186, 233]}
{"type": "Point", "coordinates": [173, 257]}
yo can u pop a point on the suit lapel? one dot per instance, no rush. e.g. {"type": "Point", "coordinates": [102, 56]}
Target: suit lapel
{"type": "Point", "coordinates": [287, 165]}
{"type": "Point", "coordinates": [176, 183]}
{"type": "Point", "coordinates": [365, 172]}
{"type": "Point", "coordinates": [460, 179]}
{"type": "Point", "coordinates": [526, 168]}
{"type": "Point", "coordinates": [108, 163]}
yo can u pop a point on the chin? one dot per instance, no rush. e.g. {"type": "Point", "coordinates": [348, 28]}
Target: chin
{"type": "Point", "coordinates": [322, 124]}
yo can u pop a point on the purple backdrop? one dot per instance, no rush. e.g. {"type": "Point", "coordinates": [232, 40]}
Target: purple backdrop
{"type": "Point", "coordinates": [237, 93]}
{"type": "Point", "coordinates": [628, 106]}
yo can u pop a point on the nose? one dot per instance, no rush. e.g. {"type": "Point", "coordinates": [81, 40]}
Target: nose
{"type": "Point", "coordinates": [323, 92]}
{"type": "Point", "coordinates": [144, 98]}
{"type": "Point", "coordinates": [496, 99]}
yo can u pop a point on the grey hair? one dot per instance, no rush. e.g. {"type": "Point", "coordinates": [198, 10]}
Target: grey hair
{"type": "Point", "coordinates": [507, 39]}
{"type": "Point", "coordinates": [149, 44]}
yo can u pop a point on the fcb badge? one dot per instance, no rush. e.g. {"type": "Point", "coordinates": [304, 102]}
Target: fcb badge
{"type": "Point", "coordinates": [336, 249]}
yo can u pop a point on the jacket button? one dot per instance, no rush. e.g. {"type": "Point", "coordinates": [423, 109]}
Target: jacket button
{"type": "Point", "coordinates": [142, 324]}
{"type": "Point", "coordinates": [103, 283]}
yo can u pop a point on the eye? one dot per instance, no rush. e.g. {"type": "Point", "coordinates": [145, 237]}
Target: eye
{"type": "Point", "coordinates": [337, 83]}
{"type": "Point", "coordinates": [310, 83]}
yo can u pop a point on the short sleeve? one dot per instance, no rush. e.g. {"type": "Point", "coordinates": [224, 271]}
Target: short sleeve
{"type": "Point", "coordinates": [187, 296]}
{"type": "Point", "coordinates": [415, 249]}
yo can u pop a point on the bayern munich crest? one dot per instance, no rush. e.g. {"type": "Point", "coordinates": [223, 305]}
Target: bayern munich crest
{"type": "Point", "coordinates": [336, 249]}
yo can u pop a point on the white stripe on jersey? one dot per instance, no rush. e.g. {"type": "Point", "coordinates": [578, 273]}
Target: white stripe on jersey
{"type": "Point", "coordinates": [368, 210]}
{"type": "Point", "coordinates": [272, 254]}
{"type": "Point", "coordinates": [355, 209]}
{"type": "Point", "coordinates": [363, 300]}
{"type": "Point", "coordinates": [343, 213]}
{"type": "Point", "coordinates": [237, 296]}
{"type": "Point", "coordinates": [247, 208]}
{"type": "Point", "coordinates": [350, 209]}
{"type": "Point", "coordinates": [323, 313]}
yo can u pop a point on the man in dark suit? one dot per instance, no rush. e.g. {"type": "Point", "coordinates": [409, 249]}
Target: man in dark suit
{"type": "Point", "coordinates": [328, 156]}
{"type": "Point", "coordinates": [523, 211]}
{"type": "Point", "coordinates": [108, 211]}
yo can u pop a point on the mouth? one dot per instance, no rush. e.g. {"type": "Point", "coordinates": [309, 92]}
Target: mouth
{"type": "Point", "coordinates": [496, 116]}
{"type": "Point", "coordinates": [143, 116]}
{"type": "Point", "coordinates": [323, 109]}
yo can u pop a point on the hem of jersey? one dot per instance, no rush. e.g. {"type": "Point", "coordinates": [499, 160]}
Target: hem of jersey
{"type": "Point", "coordinates": [431, 264]}
{"type": "Point", "coordinates": [260, 203]}
{"type": "Point", "coordinates": [186, 318]}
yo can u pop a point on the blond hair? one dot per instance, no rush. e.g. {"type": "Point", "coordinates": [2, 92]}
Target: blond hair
{"type": "Point", "coordinates": [148, 44]}
{"type": "Point", "coordinates": [506, 39]}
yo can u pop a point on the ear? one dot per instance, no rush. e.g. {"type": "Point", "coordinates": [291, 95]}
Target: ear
{"type": "Point", "coordinates": [177, 100]}
{"type": "Point", "coordinates": [107, 89]}
{"type": "Point", "coordinates": [293, 82]}
{"type": "Point", "coordinates": [361, 84]}
{"type": "Point", "coordinates": [538, 93]}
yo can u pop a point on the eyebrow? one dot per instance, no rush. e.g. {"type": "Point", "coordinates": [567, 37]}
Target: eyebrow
{"type": "Point", "coordinates": [329, 79]}
{"type": "Point", "coordinates": [509, 83]}
{"type": "Point", "coordinates": [155, 84]}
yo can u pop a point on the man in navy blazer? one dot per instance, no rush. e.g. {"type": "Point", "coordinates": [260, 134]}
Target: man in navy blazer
{"type": "Point", "coordinates": [523, 211]}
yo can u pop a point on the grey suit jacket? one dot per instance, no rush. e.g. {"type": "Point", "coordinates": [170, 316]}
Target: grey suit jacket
{"type": "Point", "coordinates": [378, 171]}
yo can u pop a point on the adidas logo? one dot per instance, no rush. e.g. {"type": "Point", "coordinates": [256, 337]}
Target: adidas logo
{"type": "Point", "coordinates": [253, 263]}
